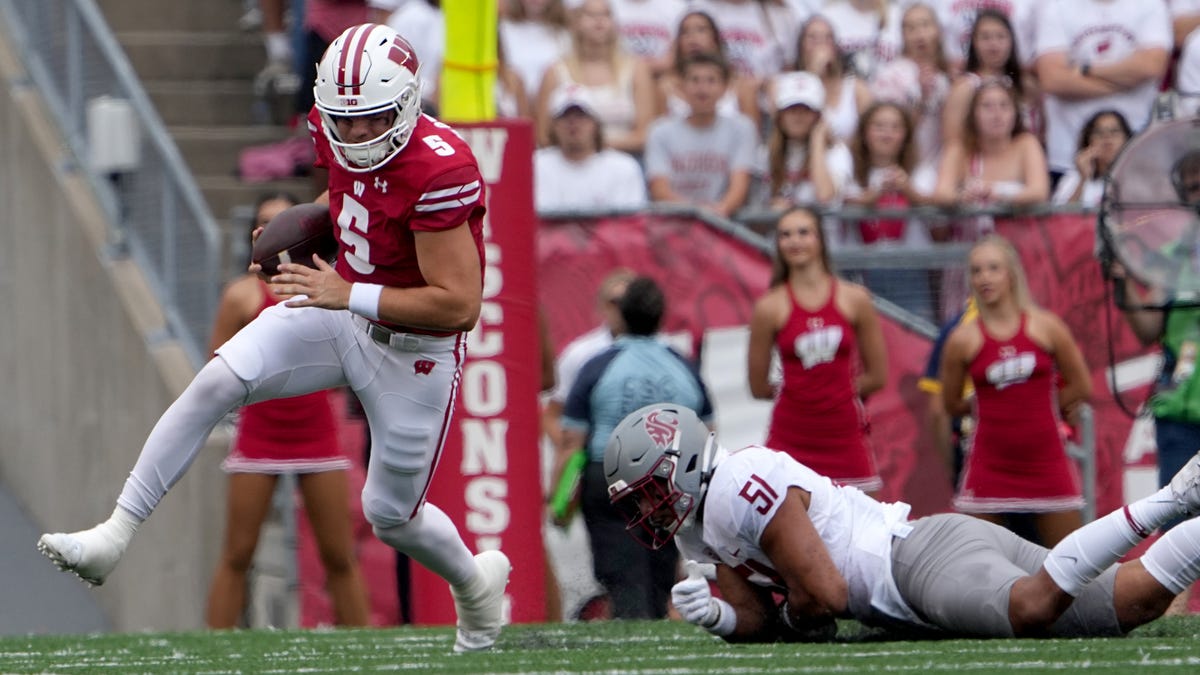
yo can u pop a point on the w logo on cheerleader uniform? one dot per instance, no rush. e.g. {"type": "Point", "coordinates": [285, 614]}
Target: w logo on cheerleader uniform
{"type": "Point", "coordinates": [1010, 370]}
{"type": "Point", "coordinates": [815, 347]}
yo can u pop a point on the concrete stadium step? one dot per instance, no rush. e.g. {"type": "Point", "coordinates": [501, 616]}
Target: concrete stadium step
{"type": "Point", "coordinates": [212, 150]}
{"type": "Point", "coordinates": [213, 15]}
{"type": "Point", "coordinates": [194, 55]}
{"type": "Point", "coordinates": [206, 102]}
{"type": "Point", "coordinates": [225, 193]}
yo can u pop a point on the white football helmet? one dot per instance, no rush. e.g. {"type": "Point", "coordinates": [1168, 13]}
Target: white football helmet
{"type": "Point", "coordinates": [657, 463]}
{"type": "Point", "coordinates": [367, 70]}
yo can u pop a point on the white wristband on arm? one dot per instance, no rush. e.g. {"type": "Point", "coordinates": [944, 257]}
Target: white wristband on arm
{"type": "Point", "coordinates": [726, 619]}
{"type": "Point", "coordinates": [364, 300]}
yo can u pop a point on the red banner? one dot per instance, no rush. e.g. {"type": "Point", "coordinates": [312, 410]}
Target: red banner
{"type": "Point", "coordinates": [489, 477]}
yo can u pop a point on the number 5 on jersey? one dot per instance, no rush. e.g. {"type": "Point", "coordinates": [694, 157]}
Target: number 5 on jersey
{"type": "Point", "coordinates": [352, 229]}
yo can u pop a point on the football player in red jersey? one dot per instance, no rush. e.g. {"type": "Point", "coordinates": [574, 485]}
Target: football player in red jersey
{"type": "Point", "coordinates": [389, 321]}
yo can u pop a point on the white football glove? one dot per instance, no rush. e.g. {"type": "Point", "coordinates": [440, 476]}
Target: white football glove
{"type": "Point", "coordinates": [695, 603]}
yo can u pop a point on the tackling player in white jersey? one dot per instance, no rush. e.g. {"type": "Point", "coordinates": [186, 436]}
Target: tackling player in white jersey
{"type": "Point", "coordinates": [390, 322]}
{"type": "Point", "coordinates": [773, 527]}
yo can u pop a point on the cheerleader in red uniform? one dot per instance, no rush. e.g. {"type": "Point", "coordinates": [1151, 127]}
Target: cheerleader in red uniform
{"type": "Point", "coordinates": [831, 348]}
{"type": "Point", "coordinates": [1028, 375]}
{"type": "Point", "coordinates": [293, 435]}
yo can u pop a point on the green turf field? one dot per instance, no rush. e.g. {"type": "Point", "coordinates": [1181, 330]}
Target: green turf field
{"type": "Point", "coordinates": [1169, 645]}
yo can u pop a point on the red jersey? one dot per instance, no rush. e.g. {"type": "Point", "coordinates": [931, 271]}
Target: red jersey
{"type": "Point", "coordinates": [297, 434]}
{"type": "Point", "coordinates": [432, 184]}
{"type": "Point", "coordinates": [1016, 460]}
{"type": "Point", "coordinates": [818, 418]}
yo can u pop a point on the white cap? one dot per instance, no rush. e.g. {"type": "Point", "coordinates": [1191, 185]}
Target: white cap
{"type": "Point", "coordinates": [799, 88]}
{"type": "Point", "coordinates": [570, 96]}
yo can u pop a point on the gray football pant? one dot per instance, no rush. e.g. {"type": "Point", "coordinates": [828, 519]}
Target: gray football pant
{"type": "Point", "coordinates": [956, 572]}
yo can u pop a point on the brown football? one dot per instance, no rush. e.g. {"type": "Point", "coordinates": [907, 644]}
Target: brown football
{"type": "Point", "coordinates": [294, 236]}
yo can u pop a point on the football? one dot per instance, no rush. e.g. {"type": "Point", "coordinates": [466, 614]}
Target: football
{"type": "Point", "coordinates": [294, 236]}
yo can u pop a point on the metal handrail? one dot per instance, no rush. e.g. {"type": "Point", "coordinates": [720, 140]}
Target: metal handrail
{"type": "Point", "coordinates": [153, 237]}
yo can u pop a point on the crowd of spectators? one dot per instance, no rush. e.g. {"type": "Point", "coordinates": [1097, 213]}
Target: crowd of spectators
{"type": "Point", "coordinates": [996, 95]}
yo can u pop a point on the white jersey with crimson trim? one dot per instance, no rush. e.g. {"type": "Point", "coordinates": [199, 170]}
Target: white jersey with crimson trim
{"type": "Point", "coordinates": [433, 184]}
{"type": "Point", "coordinates": [746, 490]}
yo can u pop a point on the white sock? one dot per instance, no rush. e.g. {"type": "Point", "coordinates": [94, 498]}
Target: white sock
{"type": "Point", "coordinates": [279, 49]}
{"type": "Point", "coordinates": [1093, 548]}
{"type": "Point", "coordinates": [1156, 510]}
{"type": "Point", "coordinates": [432, 540]}
{"type": "Point", "coordinates": [1174, 560]}
{"type": "Point", "coordinates": [122, 524]}
{"type": "Point", "coordinates": [176, 439]}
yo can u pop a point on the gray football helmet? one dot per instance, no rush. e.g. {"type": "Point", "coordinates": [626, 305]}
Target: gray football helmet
{"type": "Point", "coordinates": [658, 462]}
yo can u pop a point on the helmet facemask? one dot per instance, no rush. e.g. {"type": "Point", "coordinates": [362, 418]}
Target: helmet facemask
{"type": "Point", "coordinates": [654, 508]}
{"type": "Point", "coordinates": [374, 153]}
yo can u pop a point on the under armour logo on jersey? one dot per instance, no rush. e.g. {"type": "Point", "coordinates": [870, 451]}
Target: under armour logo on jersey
{"type": "Point", "coordinates": [423, 367]}
{"type": "Point", "coordinates": [818, 346]}
{"type": "Point", "coordinates": [381, 185]}
{"type": "Point", "coordinates": [661, 427]}
{"type": "Point", "coordinates": [360, 187]}
{"type": "Point", "coordinates": [1012, 370]}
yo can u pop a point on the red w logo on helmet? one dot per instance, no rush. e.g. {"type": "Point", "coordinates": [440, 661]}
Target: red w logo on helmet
{"type": "Point", "coordinates": [662, 426]}
{"type": "Point", "coordinates": [402, 54]}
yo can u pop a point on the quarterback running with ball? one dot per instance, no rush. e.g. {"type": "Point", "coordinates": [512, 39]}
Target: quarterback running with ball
{"type": "Point", "coordinates": [773, 527]}
{"type": "Point", "coordinates": [390, 322]}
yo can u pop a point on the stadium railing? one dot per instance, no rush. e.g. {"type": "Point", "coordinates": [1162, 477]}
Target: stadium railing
{"type": "Point", "coordinates": [160, 217]}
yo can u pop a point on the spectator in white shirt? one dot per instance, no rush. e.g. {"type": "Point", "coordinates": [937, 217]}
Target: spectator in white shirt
{"type": "Point", "coordinates": [534, 35]}
{"type": "Point", "coordinates": [991, 54]}
{"type": "Point", "coordinates": [422, 24]}
{"type": "Point", "coordinates": [647, 28]}
{"type": "Point", "coordinates": [1098, 54]}
{"type": "Point", "coordinates": [1100, 142]}
{"type": "Point", "coordinates": [1187, 74]}
{"type": "Point", "coordinates": [846, 94]}
{"type": "Point", "coordinates": [958, 20]}
{"type": "Point", "coordinates": [576, 171]}
{"type": "Point", "coordinates": [868, 32]}
{"type": "Point", "coordinates": [759, 35]}
{"type": "Point", "coordinates": [805, 163]}
{"type": "Point", "coordinates": [621, 87]}
{"type": "Point", "coordinates": [1185, 18]}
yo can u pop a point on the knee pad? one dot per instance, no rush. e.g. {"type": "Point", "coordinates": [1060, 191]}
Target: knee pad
{"type": "Point", "coordinates": [382, 513]}
{"type": "Point", "coordinates": [397, 536]}
{"type": "Point", "coordinates": [406, 449]}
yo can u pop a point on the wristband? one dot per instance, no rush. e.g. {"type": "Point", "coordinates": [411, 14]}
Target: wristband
{"type": "Point", "coordinates": [364, 300]}
{"type": "Point", "coordinates": [726, 620]}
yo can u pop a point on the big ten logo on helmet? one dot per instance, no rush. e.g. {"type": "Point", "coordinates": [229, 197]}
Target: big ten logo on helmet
{"type": "Point", "coordinates": [1011, 368]}
{"type": "Point", "coordinates": [818, 345]}
{"type": "Point", "coordinates": [485, 379]}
